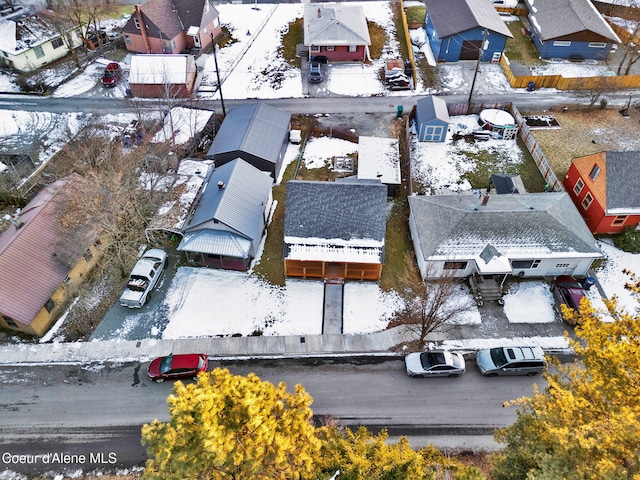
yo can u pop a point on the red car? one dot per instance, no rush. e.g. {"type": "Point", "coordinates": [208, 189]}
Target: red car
{"type": "Point", "coordinates": [172, 367]}
{"type": "Point", "coordinates": [568, 290]}
{"type": "Point", "coordinates": [112, 75]}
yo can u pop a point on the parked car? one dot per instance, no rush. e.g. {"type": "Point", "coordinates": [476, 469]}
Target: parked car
{"type": "Point", "coordinates": [112, 75]}
{"type": "Point", "coordinates": [434, 364]}
{"type": "Point", "coordinates": [510, 361]}
{"type": "Point", "coordinates": [143, 278]}
{"type": "Point", "coordinates": [173, 367]}
{"type": "Point", "coordinates": [568, 290]}
{"type": "Point", "coordinates": [315, 72]}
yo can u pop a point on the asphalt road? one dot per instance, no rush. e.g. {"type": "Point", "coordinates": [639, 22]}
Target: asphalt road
{"type": "Point", "coordinates": [95, 412]}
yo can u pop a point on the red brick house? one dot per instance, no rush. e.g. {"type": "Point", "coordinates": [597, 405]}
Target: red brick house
{"type": "Point", "coordinates": [171, 26]}
{"type": "Point", "coordinates": [604, 188]}
{"type": "Point", "coordinates": [337, 31]}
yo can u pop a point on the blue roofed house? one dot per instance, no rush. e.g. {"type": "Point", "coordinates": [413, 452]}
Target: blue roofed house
{"type": "Point", "coordinates": [526, 235]}
{"type": "Point", "coordinates": [432, 119]}
{"type": "Point", "coordinates": [229, 219]}
{"type": "Point", "coordinates": [569, 29]}
{"type": "Point", "coordinates": [257, 133]}
{"type": "Point", "coordinates": [456, 30]}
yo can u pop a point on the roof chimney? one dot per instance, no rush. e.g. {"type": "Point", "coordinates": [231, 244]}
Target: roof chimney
{"type": "Point", "coordinates": [16, 221]}
{"type": "Point", "coordinates": [319, 13]}
{"type": "Point", "coordinates": [220, 185]}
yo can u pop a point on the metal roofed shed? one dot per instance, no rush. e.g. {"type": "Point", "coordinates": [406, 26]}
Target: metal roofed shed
{"type": "Point", "coordinates": [257, 133]}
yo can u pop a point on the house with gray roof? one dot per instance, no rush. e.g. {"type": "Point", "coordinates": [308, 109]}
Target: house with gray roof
{"type": "Point", "coordinates": [457, 30]}
{"type": "Point", "coordinates": [171, 26]}
{"type": "Point", "coordinates": [337, 31]}
{"type": "Point", "coordinates": [257, 133]}
{"type": "Point", "coordinates": [569, 29]}
{"type": "Point", "coordinates": [42, 263]}
{"type": "Point", "coordinates": [432, 119]}
{"type": "Point", "coordinates": [335, 230]}
{"type": "Point", "coordinates": [527, 235]}
{"type": "Point", "coordinates": [604, 189]}
{"type": "Point", "coordinates": [229, 219]}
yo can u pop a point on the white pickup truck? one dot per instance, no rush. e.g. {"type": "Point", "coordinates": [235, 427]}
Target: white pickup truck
{"type": "Point", "coordinates": [143, 278]}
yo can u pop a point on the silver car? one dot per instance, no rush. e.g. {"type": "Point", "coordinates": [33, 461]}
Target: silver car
{"type": "Point", "coordinates": [510, 361]}
{"type": "Point", "coordinates": [434, 364]}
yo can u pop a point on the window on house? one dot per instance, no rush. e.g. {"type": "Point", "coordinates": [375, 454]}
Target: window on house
{"type": "Point", "coordinates": [57, 42]}
{"type": "Point", "coordinates": [38, 51]}
{"type": "Point", "coordinates": [597, 44]}
{"type": "Point", "coordinates": [619, 220]}
{"type": "Point", "coordinates": [353, 48]}
{"type": "Point", "coordinates": [136, 22]}
{"type": "Point", "coordinates": [88, 255]}
{"type": "Point", "coordinates": [127, 39]}
{"type": "Point", "coordinates": [559, 43]}
{"type": "Point", "coordinates": [562, 265]}
{"type": "Point", "coordinates": [587, 201]}
{"type": "Point", "coordinates": [10, 321]}
{"type": "Point", "coordinates": [66, 280]}
{"type": "Point", "coordinates": [50, 305]}
{"type": "Point", "coordinates": [594, 172]}
{"type": "Point", "coordinates": [315, 48]}
{"type": "Point", "coordinates": [455, 265]}
{"type": "Point", "coordinates": [330, 48]}
{"type": "Point", "coordinates": [525, 263]}
{"type": "Point", "coordinates": [578, 186]}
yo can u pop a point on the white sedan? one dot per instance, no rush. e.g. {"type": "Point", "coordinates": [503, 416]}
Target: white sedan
{"type": "Point", "coordinates": [434, 364]}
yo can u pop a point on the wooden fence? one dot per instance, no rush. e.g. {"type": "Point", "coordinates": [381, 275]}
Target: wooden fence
{"type": "Point", "coordinates": [603, 83]}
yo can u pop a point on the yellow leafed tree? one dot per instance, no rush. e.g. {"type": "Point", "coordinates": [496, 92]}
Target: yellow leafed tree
{"type": "Point", "coordinates": [233, 427]}
{"type": "Point", "coordinates": [586, 423]}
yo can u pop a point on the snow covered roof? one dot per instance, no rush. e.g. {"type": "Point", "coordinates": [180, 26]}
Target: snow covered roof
{"type": "Point", "coordinates": [235, 198]}
{"type": "Point", "coordinates": [25, 32]}
{"type": "Point", "coordinates": [457, 16]}
{"type": "Point", "coordinates": [542, 224]}
{"type": "Point", "coordinates": [335, 24]}
{"type": "Point", "coordinates": [257, 128]}
{"type": "Point", "coordinates": [335, 219]}
{"type": "Point", "coordinates": [189, 178]}
{"type": "Point", "coordinates": [181, 124]}
{"type": "Point", "coordinates": [559, 18]}
{"type": "Point", "coordinates": [153, 69]}
{"type": "Point", "coordinates": [379, 158]}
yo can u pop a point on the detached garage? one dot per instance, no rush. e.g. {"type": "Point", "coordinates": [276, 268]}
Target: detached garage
{"type": "Point", "coordinates": [432, 119]}
{"type": "Point", "coordinates": [162, 76]}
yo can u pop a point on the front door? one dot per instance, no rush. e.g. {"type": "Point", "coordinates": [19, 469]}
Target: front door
{"type": "Point", "coordinates": [196, 41]}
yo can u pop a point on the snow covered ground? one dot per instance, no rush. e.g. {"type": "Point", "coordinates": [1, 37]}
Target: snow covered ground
{"type": "Point", "coordinates": [251, 67]}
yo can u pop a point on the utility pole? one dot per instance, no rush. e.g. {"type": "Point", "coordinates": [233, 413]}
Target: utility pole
{"type": "Point", "coordinates": [215, 59]}
{"type": "Point", "coordinates": [485, 34]}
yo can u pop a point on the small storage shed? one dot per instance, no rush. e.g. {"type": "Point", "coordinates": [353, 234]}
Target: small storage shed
{"type": "Point", "coordinates": [432, 119]}
{"type": "Point", "coordinates": [162, 76]}
{"type": "Point", "coordinates": [379, 159]}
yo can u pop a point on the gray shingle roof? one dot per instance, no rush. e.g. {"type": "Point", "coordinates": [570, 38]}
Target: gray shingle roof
{"type": "Point", "coordinates": [331, 210]}
{"type": "Point", "coordinates": [456, 16]}
{"type": "Point", "coordinates": [526, 224]}
{"type": "Point", "coordinates": [335, 24]}
{"type": "Point", "coordinates": [239, 205]}
{"type": "Point", "coordinates": [257, 128]}
{"type": "Point", "coordinates": [558, 18]}
{"type": "Point", "coordinates": [623, 181]}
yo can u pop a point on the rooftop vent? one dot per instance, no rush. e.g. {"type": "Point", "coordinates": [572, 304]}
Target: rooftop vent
{"type": "Point", "coordinates": [220, 185]}
{"type": "Point", "coordinates": [16, 221]}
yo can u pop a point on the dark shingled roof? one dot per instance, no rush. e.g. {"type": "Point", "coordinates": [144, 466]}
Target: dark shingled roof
{"type": "Point", "coordinates": [456, 16]}
{"type": "Point", "coordinates": [329, 210]}
{"type": "Point", "coordinates": [531, 222]}
{"type": "Point", "coordinates": [623, 180]}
